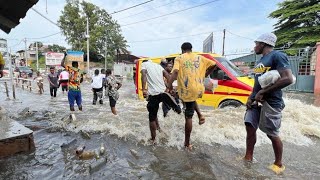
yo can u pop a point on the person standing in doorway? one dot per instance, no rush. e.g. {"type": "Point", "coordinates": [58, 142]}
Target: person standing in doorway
{"type": "Point", "coordinates": [268, 116]}
{"type": "Point", "coordinates": [75, 78]}
{"type": "Point", "coordinates": [97, 87]}
{"type": "Point", "coordinates": [53, 81]}
{"type": "Point", "coordinates": [113, 85]}
{"type": "Point", "coordinates": [190, 70]}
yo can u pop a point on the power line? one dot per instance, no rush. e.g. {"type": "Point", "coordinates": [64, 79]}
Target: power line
{"type": "Point", "coordinates": [240, 36]}
{"type": "Point", "coordinates": [132, 7]}
{"type": "Point", "coordinates": [148, 10]}
{"type": "Point", "coordinates": [45, 36]}
{"type": "Point", "coordinates": [44, 16]}
{"type": "Point", "coordinates": [152, 40]}
{"type": "Point", "coordinates": [16, 44]}
{"type": "Point", "coordinates": [170, 13]}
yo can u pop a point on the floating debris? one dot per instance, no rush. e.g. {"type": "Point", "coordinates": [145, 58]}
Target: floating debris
{"type": "Point", "coordinates": [68, 144]}
{"type": "Point", "coordinates": [134, 153]}
{"type": "Point", "coordinates": [80, 150]}
{"type": "Point", "coordinates": [86, 155]}
{"type": "Point", "coordinates": [85, 135]}
{"type": "Point", "coordinates": [95, 166]}
{"type": "Point", "coordinates": [24, 111]}
{"type": "Point", "coordinates": [102, 149]}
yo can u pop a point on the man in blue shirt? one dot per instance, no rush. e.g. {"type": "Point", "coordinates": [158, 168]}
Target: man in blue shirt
{"type": "Point", "coordinates": [268, 116]}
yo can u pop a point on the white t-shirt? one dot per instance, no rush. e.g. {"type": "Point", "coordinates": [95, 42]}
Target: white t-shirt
{"type": "Point", "coordinates": [154, 78]}
{"type": "Point", "coordinates": [96, 82]}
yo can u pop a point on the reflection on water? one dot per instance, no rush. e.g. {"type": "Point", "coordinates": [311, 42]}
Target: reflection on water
{"type": "Point", "coordinates": [219, 143]}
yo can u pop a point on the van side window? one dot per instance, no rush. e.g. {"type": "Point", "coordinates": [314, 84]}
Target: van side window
{"type": "Point", "coordinates": [214, 74]}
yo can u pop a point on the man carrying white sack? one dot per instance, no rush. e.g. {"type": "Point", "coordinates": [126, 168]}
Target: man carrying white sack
{"type": "Point", "coordinates": [268, 116]}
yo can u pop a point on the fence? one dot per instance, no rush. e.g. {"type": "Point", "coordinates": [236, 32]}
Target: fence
{"type": "Point", "coordinates": [25, 84]}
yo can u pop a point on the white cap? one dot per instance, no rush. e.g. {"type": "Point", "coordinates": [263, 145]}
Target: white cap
{"type": "Point", "coordinates": [268, 38]}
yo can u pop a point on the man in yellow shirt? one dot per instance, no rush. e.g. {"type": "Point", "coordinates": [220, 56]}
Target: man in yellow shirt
{"type": "Point", "coordinates": [190, 70]}
{"type": "Point", "coordinates": [2, 63]}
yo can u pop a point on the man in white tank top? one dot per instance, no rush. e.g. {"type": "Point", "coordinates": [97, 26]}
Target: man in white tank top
{"type": "Point", "coordinates": [153, 74]}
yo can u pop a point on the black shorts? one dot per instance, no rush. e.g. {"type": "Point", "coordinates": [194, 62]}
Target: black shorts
{"type": "Point", "coordinates": [64, 88]}
{"type": "Point", "coordinates": [112, 101]}
{"type": "Point", "coordinates": [154, 101]}
{"type": "Point", "coordinates": [153, 106]}
{"type": "Point", "coordinates": [189, 109]}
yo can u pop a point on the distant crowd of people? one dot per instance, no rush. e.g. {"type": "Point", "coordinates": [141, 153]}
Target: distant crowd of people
{"type": "Point", "coordinates": [70, 79]}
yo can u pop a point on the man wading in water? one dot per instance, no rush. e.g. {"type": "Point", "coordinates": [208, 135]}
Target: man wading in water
{"type": "Point", "coordinates": [190, 70]}
{"type": "Point", "coordinates": [75, 78]}
{"type": "Point", "coordinates": [153, 74]}
{"type": "Point", "coordinates": [268, 116]}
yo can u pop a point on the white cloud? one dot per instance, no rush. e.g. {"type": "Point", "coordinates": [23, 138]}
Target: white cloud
{"type": "Point", "coordinates": [244, 18]}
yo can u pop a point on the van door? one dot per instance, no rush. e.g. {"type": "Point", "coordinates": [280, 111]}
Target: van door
{"type": "Point", "coordinates": [220, 90]}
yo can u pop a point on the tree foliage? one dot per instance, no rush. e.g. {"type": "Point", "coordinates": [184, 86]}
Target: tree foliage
{"type": "Point", "coordinates": [102, 28]}
{"type": "Point", "coordinates": [56, 48]}
{"type": "Point", "coordinates": [298, 23]}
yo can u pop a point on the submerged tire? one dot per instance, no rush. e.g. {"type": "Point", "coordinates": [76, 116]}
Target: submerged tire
{"type": "Point", "coordinates": [230, 104]}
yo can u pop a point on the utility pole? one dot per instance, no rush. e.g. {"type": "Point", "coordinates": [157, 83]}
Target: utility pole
{"type": "Point", "coordinates": [88, 37]}
{"type": "Point", "coordinates": [11, 77]}
{"type": "Point", "coordinates": [105, 56]}
{"type": "Point", "coordinates": [37, 56]}
{"type": "Point", "coordinates": [223, 43]}
{"type": "Point", "coordinates": [25, 51]}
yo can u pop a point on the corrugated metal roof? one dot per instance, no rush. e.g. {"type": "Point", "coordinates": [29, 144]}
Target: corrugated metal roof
{"type": "Point", "coordinates": [12, 11]}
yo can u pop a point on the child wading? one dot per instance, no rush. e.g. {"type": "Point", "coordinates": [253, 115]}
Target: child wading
{"type": "Point", "coordinates": [97, 87]}
{"type": "Point", "coordinates": [39, 80]}
{"type": "Point", "coordinates": [112, 85]}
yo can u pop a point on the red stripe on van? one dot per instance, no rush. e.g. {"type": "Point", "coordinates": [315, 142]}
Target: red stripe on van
{"type": "Point", "coordinates": [225, 93]}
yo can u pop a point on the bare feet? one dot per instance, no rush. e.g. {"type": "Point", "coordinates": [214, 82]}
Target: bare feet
{"type": "Point", "coordinates": [248, 159]}
{"type": "Point", "coordinates": [188, 147]}
{"type": "Point", "coordinates": [152, 141]}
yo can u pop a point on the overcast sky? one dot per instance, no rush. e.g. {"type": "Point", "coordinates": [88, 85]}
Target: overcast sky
{"type": "Point", "coordinates": [244, 20]}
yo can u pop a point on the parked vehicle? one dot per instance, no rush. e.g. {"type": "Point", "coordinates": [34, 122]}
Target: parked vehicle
{"type": "Point", "coordinates": [232, 87]}
{"type": "Point", "coordinates": [24, 70]}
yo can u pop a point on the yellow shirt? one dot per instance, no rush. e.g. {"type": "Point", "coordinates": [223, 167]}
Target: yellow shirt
{"type": "Point", "coordinates": [191, 73]}
{"type": "Point", "coordinates": [2, 62]}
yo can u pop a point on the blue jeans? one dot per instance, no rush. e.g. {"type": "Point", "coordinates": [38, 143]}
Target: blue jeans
{"type": "Point", "coordinates": [74, 96]}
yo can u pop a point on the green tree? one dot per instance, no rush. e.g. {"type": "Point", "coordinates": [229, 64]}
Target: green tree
{"type": "Point", "coordinates": [298, 23]}
{"type": "Point", "coordinates": [102, 28]}
{"type": "Point", "coordinates": [33, 45]}
{"type": "Point", "coordinates": [56, 48]}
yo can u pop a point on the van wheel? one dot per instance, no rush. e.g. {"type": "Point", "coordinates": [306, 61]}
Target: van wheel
{"type": "Point", "coordinates": [230, 104]}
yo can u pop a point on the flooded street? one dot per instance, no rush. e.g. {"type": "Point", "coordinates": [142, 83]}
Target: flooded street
{"type": "Point", "coordinates": [219, 144]}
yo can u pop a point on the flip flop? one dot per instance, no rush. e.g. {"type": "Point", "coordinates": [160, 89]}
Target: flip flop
{"type": "Point", "coordinates": [276, 169]}
{"type": "Point", "coordinates": [202, 120]}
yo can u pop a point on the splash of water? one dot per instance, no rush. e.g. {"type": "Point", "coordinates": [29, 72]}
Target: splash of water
{"type": "Point", "coordinates": [223, 126]}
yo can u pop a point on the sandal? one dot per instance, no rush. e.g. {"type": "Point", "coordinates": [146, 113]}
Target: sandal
{"type": "Point", "coordinates": [202, 120]}
{"type": "Point", "coordinates": [276, 169]}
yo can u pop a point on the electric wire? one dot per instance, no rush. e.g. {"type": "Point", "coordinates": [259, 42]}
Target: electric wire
{"type": "Point", "coordinates": [175, 12]}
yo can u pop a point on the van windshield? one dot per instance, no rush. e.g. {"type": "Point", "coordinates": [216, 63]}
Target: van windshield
{"type": "Point", "coordinates": [230, 66]}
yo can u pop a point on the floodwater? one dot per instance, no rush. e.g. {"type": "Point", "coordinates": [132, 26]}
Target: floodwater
{"type": "Point", "coordinates": [219, 144]}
